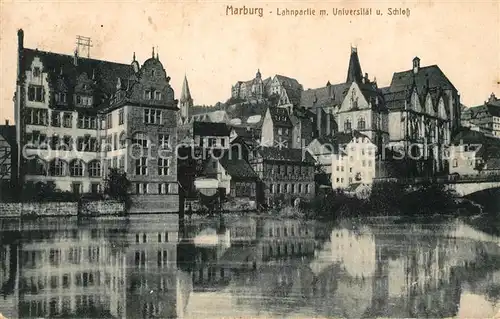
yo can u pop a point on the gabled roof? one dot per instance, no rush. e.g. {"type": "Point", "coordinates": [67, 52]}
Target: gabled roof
{"type": "Point", "coordinates": [280, 116]}
{"type": "Point", "coordinates": [293, 95]}
{"type": "Point", "coordinates": [428, 76]}
{"type": "Point", "coordinates": [210, 129]}
{"type": "Point", "coordinates": [105, 73]}
{"type": "Point", "coordinates": [329, 95]}
{"type": "Point", "coordinates": [342, 138]}
{"type": "Point", "coordinates": [237, 167]}
{"type": "Point", "coordinates": [286, 155]}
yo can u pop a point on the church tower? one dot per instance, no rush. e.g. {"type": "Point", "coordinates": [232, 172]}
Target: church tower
{"type": "Point", "coordinates": [354, 73]}
{"type": "Point", "coordinates": [186, 101]}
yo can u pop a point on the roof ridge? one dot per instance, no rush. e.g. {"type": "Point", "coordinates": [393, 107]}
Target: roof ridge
{"type": "Point", "coordinates": [71, 56]}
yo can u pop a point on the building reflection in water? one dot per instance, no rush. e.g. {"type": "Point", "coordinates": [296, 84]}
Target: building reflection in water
{"type": "Point", "coordinates": [116, 268]}
{"type": "Point", "coordinates": [142, 267]}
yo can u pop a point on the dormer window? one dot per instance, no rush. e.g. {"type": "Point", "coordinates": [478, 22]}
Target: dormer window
{"type": "Point", "coordinates": [36, 72]}
{"type": "Point", "coordinates": [85, 86]}
{"type": "Point", "coordinates": [60, 97]}
{"type": "Point", "coordinates": [157, 95]}
{"type": "Point", "coordinates": [148, 95]}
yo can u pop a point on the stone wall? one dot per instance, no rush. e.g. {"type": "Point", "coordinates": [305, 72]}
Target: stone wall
{"type": "Point", "coordinates": [38, 209]}
{"type": "Point", "coordinates": [102, 207]}
{"type": "Point", "coordinates": [60, 209]}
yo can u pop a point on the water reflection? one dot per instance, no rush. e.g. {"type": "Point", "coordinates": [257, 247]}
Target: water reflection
{"type": "Point", "coordinates": [146, 267]}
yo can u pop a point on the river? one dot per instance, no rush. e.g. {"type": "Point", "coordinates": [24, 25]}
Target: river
{"type": "Point", "coordinates": [244, 267]}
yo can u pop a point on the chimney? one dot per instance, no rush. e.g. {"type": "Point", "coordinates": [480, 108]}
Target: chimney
{"type": "Point", "coordinates": [20, 47]}
{"type": "Point", "coordinates": [366, 78]}
{"type": "Point", "coordinates": [416, 64]}
{"type": "Point", "coordinates": [75, 58]}
{"type": "Point", "coordinates": [20, 39]}
{"type": "Point", "coordinates": [6, 122]}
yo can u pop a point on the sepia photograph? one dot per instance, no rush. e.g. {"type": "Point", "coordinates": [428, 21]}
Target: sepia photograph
{"type": "Point", "coordinates": [249, 159]}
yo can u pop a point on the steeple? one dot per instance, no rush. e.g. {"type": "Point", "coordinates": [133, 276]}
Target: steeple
{"type": "Point", "coordinates": [258, 75]}
{"type": "Point", "coordinates": [186, 101]}
{"type": "Point", "coordinates": [354, 73]}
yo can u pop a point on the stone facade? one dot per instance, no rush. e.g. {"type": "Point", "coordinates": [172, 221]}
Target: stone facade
{"type": "Point", "coordinates": [79, 117]}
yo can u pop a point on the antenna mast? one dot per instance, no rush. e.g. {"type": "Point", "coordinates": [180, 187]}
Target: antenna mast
{"type": "Point", "coordinates": [85, 43]}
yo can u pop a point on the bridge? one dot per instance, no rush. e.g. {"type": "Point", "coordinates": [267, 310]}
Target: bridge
{"type": "Point", "coordinates": [463, 185]}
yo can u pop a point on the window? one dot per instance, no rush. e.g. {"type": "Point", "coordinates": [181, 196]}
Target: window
{"type": "Point", "coordinates": [95, 169]}
{"type": "Point", "coordinates": [35, 93]}
{"type": "Point", "coordinates": [300, 188]}
{"type": "Point", "coordinates": [123, 140]}
{"type": "Point", "coordinates": [109, 120]}
{"type": "Point", "coordinates": [67, 120]}
{"type": "Point", "coordinates": [57, 167]}
{"type": "Point", "coordinates": [87, 121]}
{"type": "Point", "coordinates": [361, 123]}
{"type": "Point", "coordinates": [148, 95]}
{"type": "Point", "coordinates": [115, 141]}
{"type": "Point", "coordinates": [271, 188]}
{"type": "Point", "coordinates": [141, 167]}
{"type": "Point", "coordinates": [60, 97]}
{"type": "Point", "coordinates": [163, 166]}
{"type": "Point", "coordinates": [121, 117]}
{"type": "Point", "coordinates": [280, 131]}
{"type": "Point", "coordinates": [163, 188]}
{"type": "Point", "coordinates": [36, 116]}
{"type": "Point", "coordinates": [152, 116]}
{"type": "Point", "coordinates": [157, 95]}
{"type": "Point", "coordinates": [141, 188]}
{"type": "Point", "coordinates": [140, 139]}
{"type": "Point", "coordinates": [308, 189]}
{"type": "Point", "coordinates": [121, 162]}
{"type": "Point", "coordinates": [455, 163]}
{"type": "Point", "coordinates": [55, 119]}
{"type": "Point", "coordinates": [36, 72]}
{"type": "Point", "coordinates": [76, 168]}
{"type": "Point", "coordinates": [347, 125]}
{"type": "Point", "coordinates": [293, 188]}
{"type": "Point", "coordinates": [163, 140]}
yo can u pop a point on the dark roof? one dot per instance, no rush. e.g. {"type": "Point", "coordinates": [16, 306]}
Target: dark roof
{"type": "Point", "coordinates": [323, 97]}
{"type": "Point", "coordinates": [288, 82]}
{"type": "Point", "coordinates": [280, 116]}
{"type": "Point", "coordinates": [106, 73]}
{"type": "Point", "coordinates": [352, 187]}
{"type": "Point", "coordinates": [428, 76]}
{"type": "Point", "coordinates": [354, 73]}
{"type": "Point", "coordinates": [293, 95]}
{"type": "Point", "coordinates": [237, 167]}
{"type": "Point", "coordinates": [342, 138]}
{"type": "Point", "coordinates": [244, 110]}
{"type": "Point", "coordinates": [210, 129]}
{"type": "Point", "coordinates": [468, 136]}
{"type": "Point", "coordinates": [286, 155]}
{"type": "Point", "coordinates": [9, 133]}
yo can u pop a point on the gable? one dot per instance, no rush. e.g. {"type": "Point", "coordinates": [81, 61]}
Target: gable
{"type": "Point", "coordinates": [354, 100]}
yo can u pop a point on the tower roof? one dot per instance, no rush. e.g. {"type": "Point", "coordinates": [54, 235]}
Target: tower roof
{"type": "Point", "coordinates": [185, 94]}
{"type": "Point", "coordinates": [354, 73]}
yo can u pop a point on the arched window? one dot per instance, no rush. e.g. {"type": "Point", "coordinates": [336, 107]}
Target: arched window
{"type": "Point", "coordinates": [37, 167]}
{"type": "Point", "coordinates": [140, 139]}
{"type": "Point", "coordinates": [76, 168]}
{"type": "Point", "coordinates": [95, 169]}
{"type": "Point", "coordinates": [57, 167]}
{"type": "Point", "coordinates": [347, 125]}
{"type": "Point", "coordinates": [361, 123]}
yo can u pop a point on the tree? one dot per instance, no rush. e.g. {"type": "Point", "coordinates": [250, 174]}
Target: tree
{"type": "Point", "coordinates": [117, 187]}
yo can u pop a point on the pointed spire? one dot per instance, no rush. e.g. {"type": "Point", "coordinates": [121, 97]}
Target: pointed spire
{"type": "Point", "coordinates": [185, 93]}
{"type": "Point", "coordinates": [157, 56]}
{"type": "Point", "coordinates": [153, 54]}
{"type": "Point", "coordinates": [354, 73]}
{"type": "Point", "coordinates": [133, 58]}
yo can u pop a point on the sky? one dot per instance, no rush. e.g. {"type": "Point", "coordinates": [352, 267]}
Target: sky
{"type": "Point", "coordinates": [215, 50]}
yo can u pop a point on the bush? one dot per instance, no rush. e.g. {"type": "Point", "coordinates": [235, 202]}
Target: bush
{"type": "Point", "coordinates": [118, 186]}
